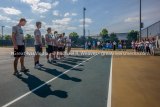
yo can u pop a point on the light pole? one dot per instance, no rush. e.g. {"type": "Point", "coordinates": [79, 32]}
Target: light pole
{"type": "Point", "coordinates": [140, 26]}
{"type": "Point", "coordinates": [84, 30]}
{"type": "Point", "coordinates": [2, 34]}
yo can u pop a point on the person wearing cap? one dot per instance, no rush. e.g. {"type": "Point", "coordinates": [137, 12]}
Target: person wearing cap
{"type": "Point", "coordinates": [19, 46]}
{"type": "Point", "coordinates": [38, 45]}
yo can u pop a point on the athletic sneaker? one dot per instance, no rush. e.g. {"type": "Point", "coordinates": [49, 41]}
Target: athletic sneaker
{"type": "Point", "coordinates": [53, 61]}
{"type": "Point", "coordinates": [37, 66]}
{"type": "Point", "coordinates": [16, 73]}
{"type": "Point", "coordinates": [40, 65]}
{"type": "Point", "coordinates": [24, 70]}
{"type": "Point", "coordinates": [48, 61]}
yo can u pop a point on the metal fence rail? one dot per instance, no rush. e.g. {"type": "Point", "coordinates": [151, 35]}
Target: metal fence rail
{"type": "Point", "coordinates": [152, 31]}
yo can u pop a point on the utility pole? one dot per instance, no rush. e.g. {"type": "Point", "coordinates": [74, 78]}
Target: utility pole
{"type": "Point", "coordinates": [2, 34]}
{"type": "Point", "coordinates": [140, 26]}
{"type": "Point", "coordinates": [84, 30]}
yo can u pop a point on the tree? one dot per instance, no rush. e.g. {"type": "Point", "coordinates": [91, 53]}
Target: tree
{"type": "Point", "coordinates": [74, 37]}
{"type": "Point", "coordinates": [7, 37]}
{"type": "Point", "coordinates": [113, 37]}
{"type": "Point", "coordinates": [104, 34]}
{"type": "Point", "coordinates": [89, 39]}
{"type": "Point", "coordinates": [132, 35]}
{"type": "Point", "coordinates": [28, 36]}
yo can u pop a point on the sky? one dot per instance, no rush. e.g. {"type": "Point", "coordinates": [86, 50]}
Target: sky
{"type": "Point", "coordinates": [117, 16]}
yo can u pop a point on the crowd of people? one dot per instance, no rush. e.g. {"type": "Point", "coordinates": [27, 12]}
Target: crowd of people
{"type": "Point", "coordinates": [55, 46]}
{"type": "Point", "coordinates": [121, 45]}
{"type": "Point", "coordinates": [146, 45]}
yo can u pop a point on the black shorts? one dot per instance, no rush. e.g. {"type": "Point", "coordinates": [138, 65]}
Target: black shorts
{"type": "Point", "coordinates": [64, 48]}
{"type": "Point", "coordinates": [38, 49]}
{"type": "Point", "coordinates": [55, 48]}
{"type": "Point", "coordinates": [20, 51]}
{"type": "Point", "coordinates": [60, 49]}
{"type": "Point", "coordinates": [49, 49]}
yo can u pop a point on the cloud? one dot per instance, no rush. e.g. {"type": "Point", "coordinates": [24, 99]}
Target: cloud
{"type": "Point", "coordinates": [41, 7]}
{"type": "Point", "coordinates": [56, 3]}
{"type": "Point", "coordinates": [87, 20]}
{"type": "Point", "coordinates": [74, 1]}
{"type": "Point", "coordinates": [131, 19]}
{"type": "Point", "coordinates": [10, 11]}
{"type": "Point", "coordinates": [74, 14]}
{"type": "Point", "coordinates": [64, 21]}
{"type": "Point", "coordinates": [70, 14]}
{"type": "Point", "coordinates": [71, 28]}
{"type": "Point", "coordinates": [37, 6]}
{"type": "Point", "coordinates": [42, 16]}
{"type": "Point", "coordinates": [56, 13]}
{"type": "Point", "coordinates": [66, 14]}
{"type": "Point", "coordinates": [4, 18]}
{"type": "Point", "coordinates": [86, 25]}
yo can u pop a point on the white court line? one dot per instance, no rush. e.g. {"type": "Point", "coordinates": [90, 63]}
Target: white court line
{"type": "Point", "coordinates": [110, 86]}
{"type": "Point", "coordinates": [5, 60]}
{"type": "Point", "coordinates": [28, 93]}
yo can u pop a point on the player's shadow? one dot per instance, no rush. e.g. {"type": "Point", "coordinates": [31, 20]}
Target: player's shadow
{"type": "Point", "coordinates": [34, 82]}
{"type": "Point", "coordinates": [56, 73]}
{"type": "Point", "coordinates": [81, 56]}
{"type": "Point", "coordinates": [65, 66]}
{"type": "Point", "coordinates": [69, 62]}
{"type": "Point", "coordinates": [62, 65]}
{"type": "Point", "coordinates": [73, 60]}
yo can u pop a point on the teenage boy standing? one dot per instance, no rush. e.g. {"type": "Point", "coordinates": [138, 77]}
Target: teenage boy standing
{"type": "Point", "coordinates": [19, 46]}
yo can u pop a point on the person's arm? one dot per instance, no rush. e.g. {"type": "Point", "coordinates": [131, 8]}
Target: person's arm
{"type": "Point", "coordinates": [14, 38]}
{"type": "Point", "coordinates": [47, 39]}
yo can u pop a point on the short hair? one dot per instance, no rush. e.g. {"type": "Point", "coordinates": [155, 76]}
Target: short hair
{"type": "Point", "coordinates": [55, 32]}
{"type": "Point", "coordinates": [49, 29]}
{"type": "Point", "coordinates": [22, 20]}
{"type": "Point", "coordinates": [38, 23]}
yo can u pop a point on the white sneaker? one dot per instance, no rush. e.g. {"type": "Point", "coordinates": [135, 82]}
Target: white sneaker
{"type": "Point", "coordinates": [37, 66]}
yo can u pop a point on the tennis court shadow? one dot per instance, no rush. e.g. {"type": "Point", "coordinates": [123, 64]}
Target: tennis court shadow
{"type": "Point", "coordinates": [73, 60]}
{"type": "Point", "coordinates": [81, 56]}
{"type": "Point", "coordinates": [34, 82]}
{"type": "Point", "coordinates": [69, 62]}
{"type": "Point", "coordinates": [64, 66]}
{"type": "Point", "coordinates": [56, 73]}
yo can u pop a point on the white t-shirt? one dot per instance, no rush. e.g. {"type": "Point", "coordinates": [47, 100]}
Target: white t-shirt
{"type": "Point", "coordinates": [114, 43]}
{"type": "Point", "coordinates": [68, 42]}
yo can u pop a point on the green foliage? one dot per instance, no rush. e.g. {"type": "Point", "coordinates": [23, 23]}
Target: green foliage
{"type": "Point", "coordinates": [113, 37]}
{"type": "Point", "coordinates": [104, 34]}
{"type": "Point", "coordinates": [74, 37]}
{"type": "Point", "coordinates": [28, 36]}
{"type": "Point", "coordinates": [132, 35]}
{"type": "Point", "coordinates": [7, 37]}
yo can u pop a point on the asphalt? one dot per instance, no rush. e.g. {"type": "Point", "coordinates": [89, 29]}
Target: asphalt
{"type": "Point", "coordinates": [85, 85]}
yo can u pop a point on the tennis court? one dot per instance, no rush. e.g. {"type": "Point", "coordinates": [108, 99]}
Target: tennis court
{"type": "Point", "coordinates": [82, 81]}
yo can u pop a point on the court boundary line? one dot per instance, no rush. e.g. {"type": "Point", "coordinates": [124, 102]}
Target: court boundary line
{"type": "Point", "coordinates": [28, 93]}
{"type": "Point", "coordinates": [110, 85]}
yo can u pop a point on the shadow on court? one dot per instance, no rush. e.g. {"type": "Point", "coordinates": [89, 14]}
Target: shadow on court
{"type": "Point", "coordinates": [54, 72]}
{"type": "Point", "coordinates": [33, 82]}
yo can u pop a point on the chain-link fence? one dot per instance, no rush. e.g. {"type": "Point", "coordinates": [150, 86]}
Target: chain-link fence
{"type": "Point", "coordinates": [151, 31]}
{"type": "Point", "coordinates": [28, 42]}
